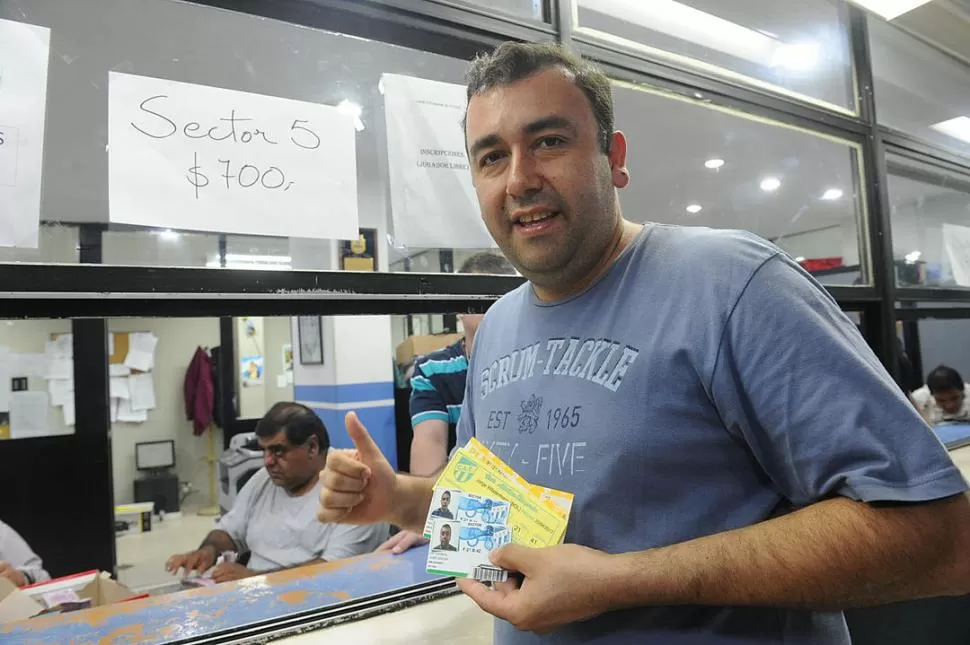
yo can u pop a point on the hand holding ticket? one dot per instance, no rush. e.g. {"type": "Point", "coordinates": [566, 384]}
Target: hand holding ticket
{"type": "Point", "coordinates": [480, 504]}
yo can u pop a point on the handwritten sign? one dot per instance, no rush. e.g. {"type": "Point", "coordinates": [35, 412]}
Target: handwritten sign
{"type": "Point", "coordinates": [433, 201]}
{"type": "Point", "coordinates": [956, 242]}
{"type": "Point", "coordinates": [24, 52]}
{"type": "Point", "coordinates": [194, 157]}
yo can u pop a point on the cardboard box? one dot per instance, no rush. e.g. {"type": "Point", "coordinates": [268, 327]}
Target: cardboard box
{"type": "Point", "coordinates": [15, 604]}
{"type": "Point", "coordinates": [420, 345]}
{"type": "Point", "coordinates": [96, 586]}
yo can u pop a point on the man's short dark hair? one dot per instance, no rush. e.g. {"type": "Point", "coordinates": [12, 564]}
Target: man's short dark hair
{"type": "Point", "coordinates": [511, 62]}
{"type": "Point", "coordinates": [297, 420]}
{"type": "Point", "coordinates": [944, 378]}
{"type": "Point", "coordinates": [487, 262]}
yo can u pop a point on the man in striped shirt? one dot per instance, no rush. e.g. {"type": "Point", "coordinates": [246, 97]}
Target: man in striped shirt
{"type": "Point", "coordinates": [437, 390]}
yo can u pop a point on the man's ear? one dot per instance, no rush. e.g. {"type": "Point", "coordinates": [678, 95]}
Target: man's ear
{"type": "Point", "coordinates": [617, 157]}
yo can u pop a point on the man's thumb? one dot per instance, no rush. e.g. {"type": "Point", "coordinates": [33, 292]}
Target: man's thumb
{"type": "Point", "coordinates": [358, 434]}
{"type": "Point", "coordinates": [513, 557]}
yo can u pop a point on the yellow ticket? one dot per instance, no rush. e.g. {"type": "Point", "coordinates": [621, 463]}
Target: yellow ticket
{"type": "Point", "coordinates": [533, 523]}
{"type": "Point", "coordinates": [559, 501]}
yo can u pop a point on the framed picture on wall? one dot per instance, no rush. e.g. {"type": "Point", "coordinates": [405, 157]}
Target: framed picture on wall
{"type": "Point", "coordinates": [360, 254]}
{"type": "Point", "coordinates": [311, 340]}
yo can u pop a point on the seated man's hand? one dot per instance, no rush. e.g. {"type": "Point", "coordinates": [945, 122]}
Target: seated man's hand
{"type": "Point", "coordinates": [201, 561]}
{"type": "Point", "coordinates": [402, 541]}
{"type": "Point", "coordinates": [15, 576]}
{"type": "Point", "coordinates": [229, 571]}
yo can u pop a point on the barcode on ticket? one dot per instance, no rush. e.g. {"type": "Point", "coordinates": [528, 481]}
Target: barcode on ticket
{"type": "Point", "coordinates": [490, 574]}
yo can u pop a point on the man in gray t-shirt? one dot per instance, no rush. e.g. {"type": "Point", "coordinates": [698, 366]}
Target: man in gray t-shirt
{"type": "Point", "coordinates": [743, 467]}
{"type": "Point", "coordinates": [274, 517]}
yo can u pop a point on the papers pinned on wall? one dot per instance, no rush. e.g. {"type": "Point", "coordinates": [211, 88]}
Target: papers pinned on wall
{"type": "Point", "coordinates": [61, 391]}
{"type": "Point", "coordinates": [141, 351]}
{"type": "Point", "coordinates": [118, 387]}
{"type": "Point", "coordinates": [28, 415]}
{"type": "Point", "coordinates": [68, 409]}
{"type": "Point", "coordinates": [142, 390]}
{"type": "Point", "coordinates": [119, 370]}
{"type": "Point", "coordinates": [127, 415]}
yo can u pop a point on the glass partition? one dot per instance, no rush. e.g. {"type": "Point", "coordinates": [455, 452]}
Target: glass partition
{"type": "Point", "coordinates": [930, 216]}
{"type": "Point", "coordinates": [800, 49]}
{"type": "Point", "coordinates": [919, 89]}
{"type": "Point", "coordinates": [692, 164]}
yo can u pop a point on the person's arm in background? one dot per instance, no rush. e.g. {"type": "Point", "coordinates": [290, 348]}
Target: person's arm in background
{"type": "Point", "coordinates": [18, 562]}
{"type": "Point", "coordinates": [429, 420]}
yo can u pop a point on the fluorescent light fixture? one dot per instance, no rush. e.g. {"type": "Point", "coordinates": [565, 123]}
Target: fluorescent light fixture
{"type": "Point", "coordinates": [890, 9]}
{"type": "Point", "coordinates": [958, 128]}
{"type": "Point", "coordinates": [168, 234]}
{"type": "Point", "coordinates": [912, 257]}
{"type": "Point", "coordinates": [260, 259]}
{"type": "Point", "coordinates": [832, 194]}
{"type": "Point", "coordinates": [770, 184]}
{"type": "Point", "coordinates": [699, 27]}
{"type": "Point", "coordinates": [714, 164]}
{"type": "Point", "coordinates": [353, 110]}
{"type": "Point", "coordinates": [694, 208]}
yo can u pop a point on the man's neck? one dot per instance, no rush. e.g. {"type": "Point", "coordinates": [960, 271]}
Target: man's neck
{"type": "Point", "coordinates": [622, 237]}
{"type": "Point", "coordinates": [302, 489]}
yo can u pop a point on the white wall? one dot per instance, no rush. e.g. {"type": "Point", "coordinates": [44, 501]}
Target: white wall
{"type": "Point", "coordinates": [177, 341]}
{"type": "Point", "coordinates": [271, 335]}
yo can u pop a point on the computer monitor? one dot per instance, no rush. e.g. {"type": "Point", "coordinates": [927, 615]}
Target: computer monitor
{"type": "Point", "coordinates": [155, 455]}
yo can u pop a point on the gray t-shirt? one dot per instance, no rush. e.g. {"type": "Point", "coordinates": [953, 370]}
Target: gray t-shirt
{"type": "Point", "coordinates": [283, 531]}
{"type": "Point", "coordinates": [705, 383]}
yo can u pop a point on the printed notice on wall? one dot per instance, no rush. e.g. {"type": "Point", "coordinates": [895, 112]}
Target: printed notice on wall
{"type": "Point", "coordinates": [956, 242]}
{"type": "Point", "coordinates": [433, 201]}
{"type": "Point", "coordinates": [24, 50]}
{"type": "Point", "coordinates": [185, 156]}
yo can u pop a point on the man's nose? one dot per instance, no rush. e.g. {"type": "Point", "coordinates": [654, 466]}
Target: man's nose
{"type": "Point", "coordinates": [524, 177]}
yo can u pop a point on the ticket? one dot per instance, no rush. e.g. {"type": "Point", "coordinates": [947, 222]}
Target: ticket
{"type": "Point", "coordinates": [460, 548]}
{"type": "Point", "coordinates": [532, 522]}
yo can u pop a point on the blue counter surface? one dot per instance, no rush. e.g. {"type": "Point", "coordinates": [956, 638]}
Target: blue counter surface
{"type": "Point", "coordinates": [207, 611]}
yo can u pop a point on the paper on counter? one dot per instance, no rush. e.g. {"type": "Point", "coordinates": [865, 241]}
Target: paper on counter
{"type": "Point", "coordinates": [6, 363]}
{"type": "Point", "coordinates": [28, 414]}
{"type": "Point", "coordinates": [127, 415]}
{"type": "Point", "coordinates": [142, 389]}
{"type": "Point", "coordinates": [119, 388]}
{"type": "Point", "coordinates": [141, 351]}
{"type": "Point", "coordinates": [61, 391]}
{"type": "Point", "coordinates": [119, 370]}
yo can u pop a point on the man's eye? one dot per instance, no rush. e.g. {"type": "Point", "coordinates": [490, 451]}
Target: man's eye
{"type": "Point", "coordinates": [549, 142]}
{"type": "Point", "coordinates": [490, 158]}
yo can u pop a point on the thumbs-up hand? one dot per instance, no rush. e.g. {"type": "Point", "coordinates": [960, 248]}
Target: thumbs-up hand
{"type": "Point", "coordinates": [357, 486]}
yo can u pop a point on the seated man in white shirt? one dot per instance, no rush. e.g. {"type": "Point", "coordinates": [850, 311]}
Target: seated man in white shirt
{"type": "Point", "coordinates": [274, 516]}
{"type": "Point", "coordinates": [944, 397]}
{"type": "Point", "coordinates": [18, 562]}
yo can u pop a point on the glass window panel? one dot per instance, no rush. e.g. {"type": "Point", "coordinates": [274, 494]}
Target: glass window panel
{"type": "Point", "coordinates": [792, 46]}
{"type": "Point", "coordinates": [695, 165]}
{"type": "Point", "coordinates": [919, 89]}
{"type": "Point", "coordinates": [531, 9]}
{"type": "Point", "coordinates": [930, 212]}
{"type": "Point", "coordinates": [57, 244]}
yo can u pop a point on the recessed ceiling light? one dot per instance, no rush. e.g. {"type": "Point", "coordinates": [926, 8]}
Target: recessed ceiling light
{"type": "Point", "coordinates": [770, 184]}
{"type": "Point", "coordinates": [800, 258]}
{"type": "Point", "coordinates": [958, 128]}
{"type": "Point", "coordinates": [353, 110]}
{"type": "Point", "coordinates": [694, 208]}
{"type": "Point", "coordinates": [890, 9]}
{"type": "Point", "coordinates": [912, 257]}
{"type": "Point", "coordinates": [832, 194]}
{"type": "Point", "coordinates": [714, 164]}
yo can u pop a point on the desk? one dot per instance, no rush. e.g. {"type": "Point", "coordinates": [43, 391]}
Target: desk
{"type": "Point", "coordinates": [953, 435]}
{"type": "Point", "coordinates": [321, 590]}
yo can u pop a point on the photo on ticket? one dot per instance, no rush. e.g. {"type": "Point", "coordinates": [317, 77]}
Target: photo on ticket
{"type": "Point", "coordinates": [461, 549]}
{"type": "Point", "coordinates": [445, 503]}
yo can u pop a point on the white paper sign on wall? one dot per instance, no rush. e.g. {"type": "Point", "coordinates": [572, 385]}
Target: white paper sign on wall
{"type": "Point", "coordinates": [956, 242]}
{"type": "Point", "coordinates": [24, 52]}
{"type": "Point", "coordinates": [433, 201]}
{"type": "Point", "coordinates": [186, 156]}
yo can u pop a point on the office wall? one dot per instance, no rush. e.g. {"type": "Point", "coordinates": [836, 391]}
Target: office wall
{"type": "Point", "coordinates": [30, 337]}
{"type": "Point", "coordinates": [178, 339]}
{"type": "Point", "coordinates": [271, 334]}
